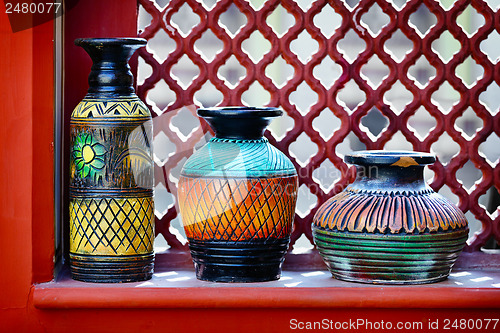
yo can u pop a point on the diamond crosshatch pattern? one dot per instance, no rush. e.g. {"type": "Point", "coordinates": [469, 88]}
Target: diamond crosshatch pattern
{"type": "Point", "coordinates": [102, 234]}
{"type": "Point", "coordinates": [237, 209]}
{"type": "Point", "coordinates": [413, 74]}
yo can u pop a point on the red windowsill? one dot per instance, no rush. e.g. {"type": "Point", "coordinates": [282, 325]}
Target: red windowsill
{"type": "Point", "coordinates": [474, 284]}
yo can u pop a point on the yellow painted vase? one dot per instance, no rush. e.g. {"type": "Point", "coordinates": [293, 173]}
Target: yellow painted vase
{"type": "Point", "coordinates": [111, 171]}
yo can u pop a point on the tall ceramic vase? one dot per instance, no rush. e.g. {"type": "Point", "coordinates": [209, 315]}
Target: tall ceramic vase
{"type": "Point", "coordinates": [389, 226]}
{"type": "Point", "coordinates": [111, 171]}
{"type": "Point", "coordinates": [237, 198]}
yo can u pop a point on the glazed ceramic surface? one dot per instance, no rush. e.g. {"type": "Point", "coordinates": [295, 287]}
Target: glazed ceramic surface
{"type": "Point", "coordinates": [389, 226]}
{"type": "Point", "coordinates": [237, 198]}
{"type": "Point", "coordinates": [111, 171]}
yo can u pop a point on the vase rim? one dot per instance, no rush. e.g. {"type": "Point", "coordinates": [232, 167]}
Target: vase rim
{"type": "Point", "coordinates": [400, 158]}
{"type": "Point", "coordinates": [110, 41]}
{"type": "Point", "coordinates": [240, 112]}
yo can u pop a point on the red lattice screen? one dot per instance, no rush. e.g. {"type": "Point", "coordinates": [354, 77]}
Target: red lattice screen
{"type": "Point", "coordinates": [400, 74]}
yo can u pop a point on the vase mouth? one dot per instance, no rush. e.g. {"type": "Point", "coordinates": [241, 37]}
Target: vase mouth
{"type": "Point", "coordinates": [240, 112]}
{"type": "Point", "coordinates": [110, 41]}
{"type": "Point", "coordinates": [399, 158]}
{"type": "Point", "coordinates": [110, 72]}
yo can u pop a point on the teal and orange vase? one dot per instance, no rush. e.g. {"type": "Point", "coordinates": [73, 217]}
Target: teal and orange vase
{"type": "Point", "coordinates": [111, 206]}
{"type": "Point", "coordinates": [389, 226]}
{"type": "Point", "coordinates": [237, 198]}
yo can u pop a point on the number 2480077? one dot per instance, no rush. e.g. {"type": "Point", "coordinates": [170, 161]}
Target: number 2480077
{"type": "Point", "coordinates": [461, 324]}
{"type": "Point", "coordinates": [32, 8]}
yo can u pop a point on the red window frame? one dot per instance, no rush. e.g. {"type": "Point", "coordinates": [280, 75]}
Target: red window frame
{"type": "Point", "coordinates": [27, 225]}
{"type": "Point", "coordinates": [92, 19]}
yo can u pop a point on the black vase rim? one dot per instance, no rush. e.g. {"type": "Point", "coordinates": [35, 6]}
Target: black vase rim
{"type": "Point", "coordinates": [401, 158]}
{"type": "Point", "coordinates": [110, 41]}
{"type": "Point", "coordinates": [240, 112]}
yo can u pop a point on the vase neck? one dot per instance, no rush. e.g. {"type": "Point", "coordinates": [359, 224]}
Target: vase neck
{"type": "Point", "coordinates": [387, 170]}
{"type": "Point", "coordinates": [390, 178]}
{"type": "Point", "coordinates": [239, 123]}
{"type": "Point", "coordinates": [238, 129]}
{"type": "Point", "coordinates": [110, 73]}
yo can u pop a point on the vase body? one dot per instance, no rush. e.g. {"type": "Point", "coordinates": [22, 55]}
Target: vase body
{"type": "Point", "coordinates": [389, 226]}
{"type": "Point", "coordinates": [237, 198]}
{"type": "Point", "coordinates": [111, 171]}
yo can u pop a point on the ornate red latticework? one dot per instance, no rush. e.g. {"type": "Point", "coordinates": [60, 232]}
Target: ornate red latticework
{"type": "Point", "coordinates": [415, 74]}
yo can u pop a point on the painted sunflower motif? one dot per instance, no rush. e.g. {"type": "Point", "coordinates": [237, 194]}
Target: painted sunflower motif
{"type": "Point", "coordinates": [88, 155]}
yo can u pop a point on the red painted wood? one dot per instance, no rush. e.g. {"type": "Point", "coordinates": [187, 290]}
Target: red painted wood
{"type": "Point", "coordinates": [43, 152]}
{"type": "Point", "coordinates": [16, 166]}
{"type": "Point", "coordinates": [25, 156]}
{"type": "Point", "coordinates": [260, 297]}
{"type": "Point", "coordinates": [238, 319]}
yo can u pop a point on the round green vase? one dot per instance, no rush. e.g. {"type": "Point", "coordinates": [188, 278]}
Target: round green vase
{"type": "Point", "coordinates": [389, 226]}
